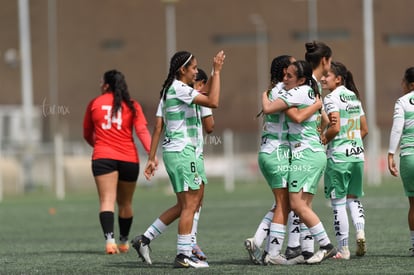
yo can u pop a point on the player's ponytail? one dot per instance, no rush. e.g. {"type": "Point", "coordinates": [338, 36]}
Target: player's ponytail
{"type": "Point", "coordinates": [179, 59]}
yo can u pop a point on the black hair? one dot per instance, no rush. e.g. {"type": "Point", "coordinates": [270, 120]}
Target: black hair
{"type": "Point", "coordinates": [315, 51]}
{"type": "Point", "coordinates": [118, 86]}
{"type": "Point", "coordinates": [178, 60]}
{"type": "Point", "coordinates": [339, 69]}
{"type": "Point", "coordinates": [409, 75]}
{"type": "Point", "coordinates": [279, 63]}
{"type": "Point", "coordinates": [304, 69]}
{"type": "Point", "coordinates": [201, 76]}
{"type": "Point", "coordinates": [276, 68]}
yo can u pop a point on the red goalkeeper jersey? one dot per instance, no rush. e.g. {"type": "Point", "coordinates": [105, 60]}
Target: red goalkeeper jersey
{"type": "Point", "coordinates": [111, 136]}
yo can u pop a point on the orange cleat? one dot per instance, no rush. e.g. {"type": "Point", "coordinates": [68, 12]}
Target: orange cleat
{"type": "Point", "coordinates": [111, 248]}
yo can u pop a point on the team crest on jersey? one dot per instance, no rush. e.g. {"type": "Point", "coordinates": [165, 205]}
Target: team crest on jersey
{"type": "Point", "coordinates": [411, 101]}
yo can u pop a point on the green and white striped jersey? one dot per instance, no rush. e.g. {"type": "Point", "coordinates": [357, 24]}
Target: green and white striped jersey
{"type": "Point", "coordinates": [182, 118]}
{"type": "Point", "coordinates": [303, 135]}
{"type": "Point", "coordinates": [275, 129]}
{"type": "Point", "coordinates": [403, 125]}
{"type": "Point", "coordinates": [347, 145]}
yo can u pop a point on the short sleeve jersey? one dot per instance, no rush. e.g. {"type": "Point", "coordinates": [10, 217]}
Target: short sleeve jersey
{"type": "Point", "coordinates": [113, 135]}
{"type": "Point", "coordinates": [347, 145]}
{"type": "Point", "coordinates": [404, 112]}
{"type": "Point", "coordinates": [182, 118]}
{"type": "Point", "coordinates": [275, 129]}
{"type": "Point", "coordinates": [204, 112]}
{"type": "Point", "coordinates": [303, 135]}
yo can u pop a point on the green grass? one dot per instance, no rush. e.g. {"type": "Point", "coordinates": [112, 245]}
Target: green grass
{"type": "Point", "coordinates": [32, 241]}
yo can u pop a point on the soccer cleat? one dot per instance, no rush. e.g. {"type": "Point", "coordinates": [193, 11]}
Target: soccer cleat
{"type": "Point", "coordinates": [183, 261]}
{"type": "Point", "coordinates": [123, 247]}
{"type": "Point", "coordinates": [196, 250]}
{"type": "Point", "coordinates": [275, 260]}
{"type": "Point", "coordinates": [343, 253]}
{"type": "Point", "coordinates": [360, 243]}
{"type": "Point", "coordinates": [141, 245]}
{"type": "Point", "coordinates": [324, 253]}
{"type": "Point", "coordinates": [307, 254]}
{"type": "Point", "coordinates": [111, 248]}
{"type": "Point", "coordinates": [254, 252]}
{"type": "Point", "coordinates": [412, 251]}
{"type": "Point", "coordinates": [294, 255]}
{"type": "Point", "coordinates": [293, 252]}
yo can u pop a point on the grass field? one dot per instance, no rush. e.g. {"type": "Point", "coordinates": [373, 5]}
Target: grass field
{"type": "Point", "coordinates": [70, 241]}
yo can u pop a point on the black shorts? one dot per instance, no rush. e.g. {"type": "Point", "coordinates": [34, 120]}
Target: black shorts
{"type": "Point", "coordinates": [128, 171]}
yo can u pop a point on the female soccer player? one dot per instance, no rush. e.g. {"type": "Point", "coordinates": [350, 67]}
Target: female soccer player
{"type": "Point", "coordinates": [401, 135]}
{"type": "Point", "coordinates": [274, 164]}
{"type": "Point", "coordinates": [308, 154]}
{"type": "Point", "coordinates": [180, 118]}
{"type": "Point", "coordinates": [108, 126]}
{"type": "Point", "coordinates": [274, 140]}
{"type": "Point", "coordinates": [345, 167]}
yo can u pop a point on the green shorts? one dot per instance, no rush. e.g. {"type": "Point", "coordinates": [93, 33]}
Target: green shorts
{"type": "Point", "coordinates": [186, 172]}
{"type": "Point", "coordinates": [306, 170]}
{"type": "Point", "coordinates": [275, 167]}
{"type": "Point", "coordinates": [343, 178]}
{"type": "Point", "coordinates": [407, 174]}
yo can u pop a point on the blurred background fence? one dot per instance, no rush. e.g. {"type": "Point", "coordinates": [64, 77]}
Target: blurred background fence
{"type": "Point", "coordinates": [54, 52]}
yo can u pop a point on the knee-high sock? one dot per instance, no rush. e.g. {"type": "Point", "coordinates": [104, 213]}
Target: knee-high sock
{"type": "Point", "coordinates": [307, 242]}
{"type": "Point", "coordinates": [184, 244]}
{"type": "Point", "coordinates": [195, 226]}
{"type": "Point", "coordinates": [106, 219]}
{"type": "Point", "coordinates": [263, 229]}
{"type": "Point", "coordinates": [341, 224]}
{"type": "Point", "coordinates": [293, 230]}
{"type": "Point", "coordinates": [155, 229]}
{"type": "Point", "coordinates": [124, 228]}
{"type": "Point", "coordinates": [357, 212]}
{"type": "Point", "coordinates": [319, 233]}
{"type": "Point", "coordinates": [276, 238]}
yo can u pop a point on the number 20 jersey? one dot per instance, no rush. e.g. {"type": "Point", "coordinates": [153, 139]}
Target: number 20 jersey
{"type": "Point", "coordinates": [347, 145]}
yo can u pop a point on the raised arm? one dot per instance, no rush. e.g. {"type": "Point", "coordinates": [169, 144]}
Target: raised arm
{"type": "Point", "coordinates": [211, 93]}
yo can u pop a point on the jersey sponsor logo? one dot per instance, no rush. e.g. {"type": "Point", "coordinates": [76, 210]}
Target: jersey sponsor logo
{"type": "Point", "coordinates": [352, 108]}
{"type": "Point", "coordinates": [346, 98]}
{"type": "Point", "coordinates": [354, 151]}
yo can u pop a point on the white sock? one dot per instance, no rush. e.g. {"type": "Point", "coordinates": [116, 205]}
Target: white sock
{"type": "Point", "coordinates": [294, 230]}
{"type": "Point", "coordinates": [276, 238]}
{"type": "Point", "coordinates": [194, 228]}
{"type": "Point", "coordinates": [341, 224]}
{"type": "Point", "coordinates": [357, 213]}
{"type": "Point", "coordinates": [319, 233]}
{"type": "Point", "coordinates": [155, 229]}
{"type": "Point", "coordinates": [412, 238]}
{"type": "Point", "coordinates": [307, 242]}
{"type": "Point", "coordinates": [110, 240]}
{"type": "Point", "coordinates": [184, 244]}
{"type": "Point", "coordinates": [263, 229]}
